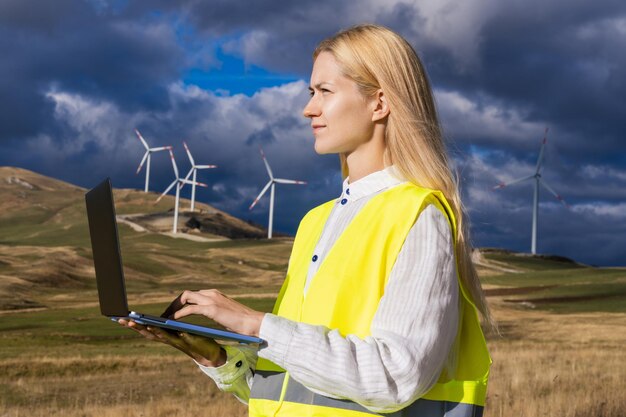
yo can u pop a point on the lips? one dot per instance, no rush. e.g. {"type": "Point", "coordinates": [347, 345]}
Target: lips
{"type": "Point", "coordinates": [317, 127]}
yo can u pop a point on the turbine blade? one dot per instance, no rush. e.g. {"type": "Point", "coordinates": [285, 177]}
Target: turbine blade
{"type": "Point", "coordinates": [284, 181]}
{"type": "Point", "coordinates": [543, 145]}
{"type": "Point", "coordinates": [201, 184]}
{"type": "Point", "coordinates": [174, 163]}
{"type": "Point", "coordinates": [160, 148]}
{"type": "Point", "coordinates": [256, 200]}
{"type": "Point", "coordinates": [142, 140]}
{"type": "Point", "coordinates": [204, 166]}
{"type": "Point", "coordinates": [167, 190]}
{"type": "Point", "coordinates": [267, 165]}
{"type": "Point", "coordinates": [189, 174]}
{"type": "Point", "coordinates": [145, 156]}
{"type": "Point", "coordinates": [554, 193]}
{"type": "Point", "coordinates": [189, 154]}
{"type": "Point", "coordinates": [502, 185]}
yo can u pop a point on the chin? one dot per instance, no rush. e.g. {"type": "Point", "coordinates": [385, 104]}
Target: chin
{"type": "Point", "coordinates": [321, 149]}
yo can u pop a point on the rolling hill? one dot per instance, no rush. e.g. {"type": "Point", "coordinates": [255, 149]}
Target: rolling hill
{"type": "Point", "coordinates": [45, 249]}
{"type": "Point", "coordinates": [45, 255]}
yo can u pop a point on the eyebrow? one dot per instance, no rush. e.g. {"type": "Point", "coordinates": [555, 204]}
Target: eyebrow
{"type": "Point", "coordinates": [318, 85]}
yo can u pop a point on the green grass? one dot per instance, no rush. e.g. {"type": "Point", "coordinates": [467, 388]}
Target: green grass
{"type": "Point", "coordinates": [612, 303]}
{"type": "Point", "coordinates": [529, 262]}
{"type": "Point", "coordinates": [66, 331]}
{"type": "Point", "coordinates": [566, 290]}
{"type": "Point", "coordinates": [557, 277]}
{"type": "Point", "coordinates": [183, 245]}
{"type": "Point", "coordinates": [143, 262]}
{"type": "Point", "coordinates": [148, 261]}
{"type": "Point", "coordinates": [579, 298]}
{"type": "Point", "coordinates": [49, 235]}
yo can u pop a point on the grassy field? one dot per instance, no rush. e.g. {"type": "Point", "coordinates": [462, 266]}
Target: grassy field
{"type": "Point", "coordinates": [565, 361]}
{"type": "Point", "coordinates": [559, 288]}
{"type": "Point", "coordinates": [559, 352]}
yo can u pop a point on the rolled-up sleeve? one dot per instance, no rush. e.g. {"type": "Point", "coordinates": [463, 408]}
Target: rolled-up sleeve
{"type": "Point", "coordinates": [236, 374]}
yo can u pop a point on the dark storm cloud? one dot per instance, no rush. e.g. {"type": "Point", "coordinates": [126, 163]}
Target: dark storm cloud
{"type": "Point", "coordinates": [79, 76]}
{"type": "Point", "coordinates": [216, 130]}
{"type": "Point", "coordinates": [555, 63]}
{"type": "Point", "coordinates": [590, 229]}
{"type": "Point", "coordinates": [71, 46]}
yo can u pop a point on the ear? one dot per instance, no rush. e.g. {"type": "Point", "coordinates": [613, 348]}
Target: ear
{"type": "Point", "coordinates": [381, 107]}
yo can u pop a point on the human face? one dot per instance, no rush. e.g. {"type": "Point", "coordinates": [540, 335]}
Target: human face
{"type": "Point", "coordinates": [341, 117]}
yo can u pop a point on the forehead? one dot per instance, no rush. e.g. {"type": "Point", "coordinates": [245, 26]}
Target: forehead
{"type": "Point", "coordinates": [326, 69]}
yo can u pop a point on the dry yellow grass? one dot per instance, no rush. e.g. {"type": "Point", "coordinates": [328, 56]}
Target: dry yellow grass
{"type": "Point", "coordinates": [553, 379]}
{"type": "Point", "coordinates": [557, 365]}
{"type": "Point", "coordinates": [544, 365]}
{"type": "Point", "coordinates": [569, 365]}
{"type": "Point", "coordinates": [111, 386]}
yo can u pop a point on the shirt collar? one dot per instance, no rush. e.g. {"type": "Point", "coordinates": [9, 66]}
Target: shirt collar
{"type": "Point", "coordinates": [371, 183]}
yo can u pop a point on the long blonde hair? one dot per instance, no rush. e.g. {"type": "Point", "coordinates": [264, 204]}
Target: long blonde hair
{"type": "Point", "coordinates": [377, 58]}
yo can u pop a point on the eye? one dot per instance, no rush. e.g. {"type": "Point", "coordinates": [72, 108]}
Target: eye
{"type": "Point", "coordinates": [323, 90]}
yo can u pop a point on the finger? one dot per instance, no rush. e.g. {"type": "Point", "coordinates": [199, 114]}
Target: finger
{"type": "Point", "coordinates": [186, 297]}
{"type": "Point", "coordinates": [191, 309]}
{"type": "Point", "coordinates": [163, 336]}
{"type": "Point", "coordinates": [142, 330]}
{"type": "Point", "coordinates": [134, 325]}
{"type": "Point", "coordinates": [192, 339]}
{"type": "Point", "coordinates": [175, 305]}
{"type": "Point", "coordinates": [211, 292]}
{"type": "Point", "coordinates": [162, 333]}
{"type": "Point", "coordinates": [196, 297]}
{"type": "Point", "coordinates": [146, 333]}
{"type": "Point", "coordinates": [201, 347]}
{"type": "Point", "coordinates": [175, 340]}
{"type": "Point", "coordinates": [130, 324]}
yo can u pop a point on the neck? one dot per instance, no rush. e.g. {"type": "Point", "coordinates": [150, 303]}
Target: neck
{"type": "Point", "coordinates": [367, 158]}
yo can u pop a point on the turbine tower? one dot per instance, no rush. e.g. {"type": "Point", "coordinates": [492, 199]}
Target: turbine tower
{"type": "Point", "coordinates": [146, 156]}
{"type": "Point", "coordinates": [538, 180]}
{"type": "Point", "coordinates": [194, 169]}
{"type": "Point", "coordinates": [271, 183]}
{"type": "Point", "coordinates": [179, 183]}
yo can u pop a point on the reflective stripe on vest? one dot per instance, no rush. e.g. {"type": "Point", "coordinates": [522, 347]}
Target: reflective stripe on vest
{"type": "Point", "coordinates": [268, 386]}
{"type": "Point", "coordinates": [344, 295]}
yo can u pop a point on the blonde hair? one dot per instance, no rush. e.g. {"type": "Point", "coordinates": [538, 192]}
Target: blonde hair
{"type": "Point", "coordinates": [378, 58]}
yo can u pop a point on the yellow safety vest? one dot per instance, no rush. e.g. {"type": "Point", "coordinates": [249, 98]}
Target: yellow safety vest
{"type": "Point", "coordinates": [344, 294]}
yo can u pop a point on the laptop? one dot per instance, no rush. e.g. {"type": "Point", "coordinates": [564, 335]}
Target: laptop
{"type": "Point", "coordinates": [107, 260]}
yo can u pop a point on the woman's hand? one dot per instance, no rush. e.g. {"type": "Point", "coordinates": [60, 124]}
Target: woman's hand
{"type": "Point", "coordinates": [234, 316]}
{"type": "Point", "coordinates": [203, 350]}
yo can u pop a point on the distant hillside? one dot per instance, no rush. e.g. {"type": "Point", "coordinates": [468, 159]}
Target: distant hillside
{"type": "Point", "coordinates": [45, 255]}
{"type": "Point", "coordinates": [45, 247]}
{"type": "Point", "coordinates": [32, 198]}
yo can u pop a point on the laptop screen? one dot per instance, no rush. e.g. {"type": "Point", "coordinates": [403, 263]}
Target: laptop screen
{"type": "Point", "coordinates": [105, 246]}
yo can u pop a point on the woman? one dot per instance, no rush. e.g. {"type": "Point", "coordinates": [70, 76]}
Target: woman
{"type": "Point", "coordinates": [378, 312]}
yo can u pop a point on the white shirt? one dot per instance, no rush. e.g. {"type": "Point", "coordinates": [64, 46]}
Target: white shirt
{"type": "Point", "coordinates": [412, 331]}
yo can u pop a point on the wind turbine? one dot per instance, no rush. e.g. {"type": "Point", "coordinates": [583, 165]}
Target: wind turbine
{"type": "Point", "coordinates": [179, 183]}
{"type": "Point", "coordinates": [271, 183]}
{"type": "Point", "coordinates": [194, 169]}
{"type": "Point", "coordinates": [146, 156]}
{"type": "Point", "coordinates": [538, 180]}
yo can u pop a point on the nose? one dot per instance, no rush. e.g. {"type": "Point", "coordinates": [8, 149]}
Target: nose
{"type": "Point", "coordinates": [312, 108]}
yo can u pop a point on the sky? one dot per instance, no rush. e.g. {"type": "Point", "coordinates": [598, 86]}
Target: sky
{"type": "Point", "coordinates": [77, 77]}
